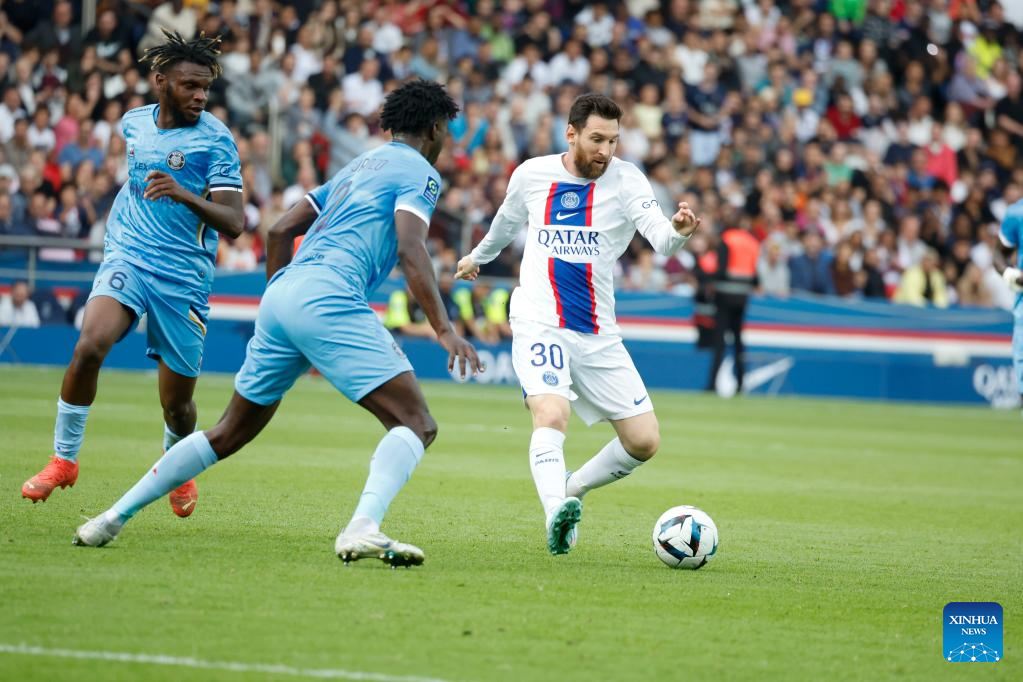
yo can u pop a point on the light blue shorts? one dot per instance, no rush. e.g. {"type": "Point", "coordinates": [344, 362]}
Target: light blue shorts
{"type": "Point", "coordinates": [310, 316]}
{"type": "Point", "coordinates": [176, 315]}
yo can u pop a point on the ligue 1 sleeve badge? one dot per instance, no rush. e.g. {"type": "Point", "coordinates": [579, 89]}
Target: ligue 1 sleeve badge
{"type": "Point", "coordinates": [972, 632]}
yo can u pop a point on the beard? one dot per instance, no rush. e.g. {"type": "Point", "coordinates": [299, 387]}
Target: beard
{"type": "Point", "coordinates": [181, 115]}
{"type": "Point", "coordinates": [588, 168]}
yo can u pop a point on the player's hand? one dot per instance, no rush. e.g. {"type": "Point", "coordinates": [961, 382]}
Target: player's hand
{"type": "Point", "coordinates": [1014, 278]}
{"type": "Point", "coordinates": [467, 269]}
{"type": "Point", "coordinates": [685, 221]}
{"type": "Point", "coordinates": [461, 350]}
{"type": "Point", "coordinates": [160, 184]}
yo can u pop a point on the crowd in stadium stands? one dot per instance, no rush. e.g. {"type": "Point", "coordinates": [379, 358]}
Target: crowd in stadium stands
{"type": "Point", "coordinates": [872, 145]}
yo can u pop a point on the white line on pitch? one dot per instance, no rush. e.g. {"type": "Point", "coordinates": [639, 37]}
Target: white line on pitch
{"type": "Point", "coordinates": [157, 659]}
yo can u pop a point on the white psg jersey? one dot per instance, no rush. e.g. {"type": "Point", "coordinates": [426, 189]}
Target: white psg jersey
{"type": "Point", "coordinates": [578, 229]}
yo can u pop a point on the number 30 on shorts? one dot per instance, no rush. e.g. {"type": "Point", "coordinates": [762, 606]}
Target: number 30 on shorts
{"type": "Point", "coordinates": [542, 353]}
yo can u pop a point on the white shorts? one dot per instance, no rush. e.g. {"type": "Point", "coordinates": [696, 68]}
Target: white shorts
{"type": "Point", "coordinates": [594, 371]}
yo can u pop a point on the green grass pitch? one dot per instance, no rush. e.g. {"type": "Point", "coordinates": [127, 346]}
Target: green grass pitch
{"type": "Point", "coordinates": [845, 529]}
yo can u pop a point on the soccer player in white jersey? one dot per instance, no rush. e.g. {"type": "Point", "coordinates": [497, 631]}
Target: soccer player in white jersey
{"type": "Point", "coordinates": [582, 209]}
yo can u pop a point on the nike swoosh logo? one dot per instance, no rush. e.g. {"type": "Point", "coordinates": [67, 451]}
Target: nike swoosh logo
{"type": "Point", "coordinates": [565, 216]}
{"type": "Point", "coordinates": [637, 402]}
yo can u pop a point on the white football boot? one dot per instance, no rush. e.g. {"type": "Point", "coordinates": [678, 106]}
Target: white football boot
{"type": "Point", "coordinates": [376, 545]}
{"type": "Point", "coordinates": [98, 531]}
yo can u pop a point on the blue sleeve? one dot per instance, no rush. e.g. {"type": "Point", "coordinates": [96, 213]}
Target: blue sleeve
{"type": "Point", "coordinates": [1010, 229]}
{"type": "Point", "coordinates": [418, 194]}
{"type": "Point", "coordinates": [318, 197]}
{"type": "Point", "coordinates": [224, 170]}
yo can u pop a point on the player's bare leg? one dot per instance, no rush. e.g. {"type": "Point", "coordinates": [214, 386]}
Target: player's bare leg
{"type": "Point", "coordinates": [637, 441]}
{"type": "Point", "coordinates": [179, 417]}
{"type": "Point", "coordinates": [400, 406]}
{"type": "Point", "coordinates": [550, 414]}
{"type": "Point", "coordinates": [241, 422]}
{"type": "Point", "coordinates": [106, 320]}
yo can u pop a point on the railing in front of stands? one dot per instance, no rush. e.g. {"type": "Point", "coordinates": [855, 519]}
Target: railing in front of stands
{"type": "Point", "coordinates": [32, 246]}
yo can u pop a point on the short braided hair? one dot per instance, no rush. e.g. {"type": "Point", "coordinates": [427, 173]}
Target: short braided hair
{"type": "Point", "coordinates": [202, 51]}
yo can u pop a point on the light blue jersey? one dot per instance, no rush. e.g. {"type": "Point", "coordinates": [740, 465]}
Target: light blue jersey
{"type": "Point", "coordinates": [354, 233]}
{"type": "Point", "coordinates": [162, 236]}
{"type": "Point", "coordinates": [1011, 232]}
{"type": "Point", "coordinates": [159, 257]}
{"type": "Point", "coordinates": [1011, 236]}
{"type": "Point", "coordinates": [315, 311]}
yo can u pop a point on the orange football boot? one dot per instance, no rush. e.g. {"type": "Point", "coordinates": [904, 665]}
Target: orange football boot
{"type": "Point", "coordinates": [183, 498]}
{"type": "Point", "coordinates": [59, 472]}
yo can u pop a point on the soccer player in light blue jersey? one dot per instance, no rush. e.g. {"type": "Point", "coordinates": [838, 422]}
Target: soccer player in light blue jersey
{"type": "Point", "coordinates": [1011, 237]}
{"type": "Point", "coordinates": [184, 186]}
{"type": "Point", "coordinates": [315, 312]}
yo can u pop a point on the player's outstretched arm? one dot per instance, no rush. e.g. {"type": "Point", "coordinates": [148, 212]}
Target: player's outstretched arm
{"type": "Point", "coordinates": [280, 240]}
{"type": "Point", "coordinates": [223, 212]}
{"type": "Point", "coordinates": [509, 220]}
{"type": "Point", "coordinates": [666, 236]}
{"type": "Point", "coordinates": [418, 269]}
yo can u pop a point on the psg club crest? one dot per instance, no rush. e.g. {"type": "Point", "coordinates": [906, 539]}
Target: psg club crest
{"type": "Point", "coordinates": [176, 160]}
{"type": "Point", "coordinates": [550, 378]}
{"type": "Point", "coordinates": [570, 200]}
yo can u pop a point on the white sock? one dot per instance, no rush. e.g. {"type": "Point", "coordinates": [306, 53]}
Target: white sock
{"type": "Point", "coordinates": [607, 466]}
{"type": "Point", "coordinates": [547, 462]}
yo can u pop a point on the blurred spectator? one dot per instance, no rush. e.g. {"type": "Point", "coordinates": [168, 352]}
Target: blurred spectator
{"type": "Point", "coordinates": [810, 271]}
{"type": "Point", "coordinates": [870, 280]}
{"type": "Point", "coordinates": [972, 291]}
{"type": "Point", "coordinates": [8, 226]}
{"type": "Point", "coordinates": [171, 16]}
{"type": "Point", "coordinates": [773, 270]}
{"type": "Point", "coordinates": [923, 284]}
{"type": "Point", "coordinates": [644, 275]}
{"type": "Point", "coordinates": [240, 254]}
{"type": "Point", "coordinates": [842, 274]}
{"type": "Point", "coordinates": [16, 309]}
{"type": "Point", "coordinates": [58, 32]}
{"type": "Point", "coordinates": [363, 92]}
{"type": "Point", "coordinates": [85, 147]}
{"type": "Point", "coordinates": [406, 316]}
{"type": "Point", "coordinates": [886, 127]}
{"type": "Point", "coordinates": [706, 114]}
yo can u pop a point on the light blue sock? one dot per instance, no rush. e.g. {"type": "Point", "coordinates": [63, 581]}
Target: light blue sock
{"type": "Point", "coordinates": [69, 431]}
{"type": "Point", "coordinates": [183, 462]}
{"type": "Point", "coordinates": [392, 465]}
{"type": "Point", "coordinates": [170, 439]}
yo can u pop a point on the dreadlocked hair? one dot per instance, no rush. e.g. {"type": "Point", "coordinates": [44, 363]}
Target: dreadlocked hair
{"type": "Point", "coordinates": [202, 51]}
{"type": "Point", "coordinates": [416, 106]}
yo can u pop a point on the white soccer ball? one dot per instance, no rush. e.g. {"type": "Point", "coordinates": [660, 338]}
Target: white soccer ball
{"type": "Point", "coordinates": [685, 537]}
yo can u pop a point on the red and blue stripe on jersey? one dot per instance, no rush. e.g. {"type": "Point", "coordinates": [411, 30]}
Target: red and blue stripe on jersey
{"type": "Point", "coordinates": [570, 204]}
{"type": "Point", "coordinates": [576, 302]}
